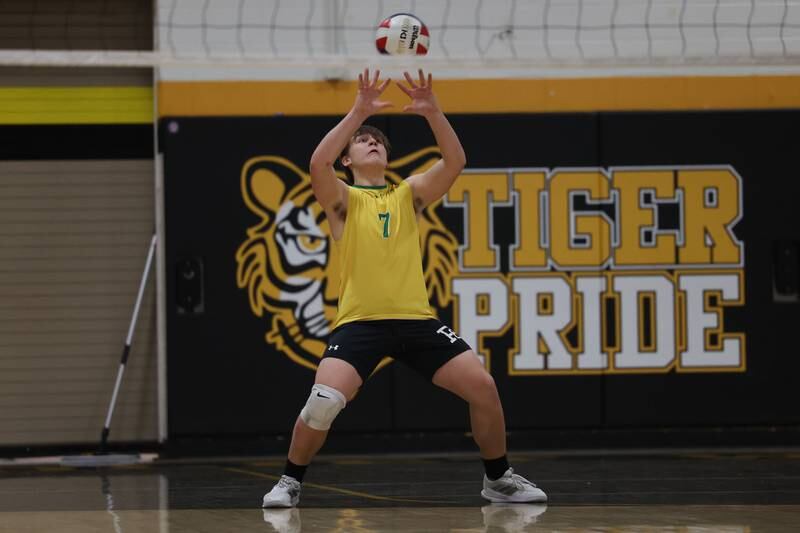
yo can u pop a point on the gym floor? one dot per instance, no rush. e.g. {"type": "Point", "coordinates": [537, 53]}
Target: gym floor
{"type": "Point", "coordinates": [690, 490]}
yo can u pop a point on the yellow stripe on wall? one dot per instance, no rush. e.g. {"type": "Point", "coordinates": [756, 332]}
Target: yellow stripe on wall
{"type": "Point", "coordinates": [76, 105]}
{"type": "Point", "coordinates": [177, 98]}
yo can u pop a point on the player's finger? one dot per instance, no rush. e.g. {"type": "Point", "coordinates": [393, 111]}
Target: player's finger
{"type": "Point", "coordinates": [404, 88]}
{"type": "Point", "coordinates": [360, 81]}
{"type": "Point", "coordinates": [430, 80]}
{"type": "Point", "coordinates": [377, 76]}
{"type": "Point", "coordinates": [366, 77]}
{"type": "Point", "coordinates": [410, 80]}
{"type": "Point", "coordinates": [382, 86]}
{"type": "Point", "coordinates": [421, 78]}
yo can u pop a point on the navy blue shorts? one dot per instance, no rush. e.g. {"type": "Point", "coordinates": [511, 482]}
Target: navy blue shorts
{"type": "Point", "coordinates": [422, 345]}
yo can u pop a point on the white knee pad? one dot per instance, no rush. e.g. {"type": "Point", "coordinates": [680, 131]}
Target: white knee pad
{"type": "Point", "coordinates": [322, 406]}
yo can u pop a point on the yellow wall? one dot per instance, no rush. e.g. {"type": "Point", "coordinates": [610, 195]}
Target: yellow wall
{"type": "Point", "coordinates": [76, 105]}
{"type": "Point", "coordinates": [489, 96]}
{"type": "Point", "coordinates": [134, 105]}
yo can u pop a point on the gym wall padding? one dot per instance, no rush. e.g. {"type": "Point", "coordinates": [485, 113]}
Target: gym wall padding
{"type": "Point", "coordinates": [229, 376]}
{"type": "Point", "coordinates": [76, 217]}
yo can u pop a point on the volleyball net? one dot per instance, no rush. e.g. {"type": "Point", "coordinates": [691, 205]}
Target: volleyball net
{"type": "Point", "coordinates": [314, 38]}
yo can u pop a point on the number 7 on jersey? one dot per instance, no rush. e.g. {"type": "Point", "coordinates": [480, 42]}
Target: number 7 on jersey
{"type": "Point", "coordinates": [385, 218]}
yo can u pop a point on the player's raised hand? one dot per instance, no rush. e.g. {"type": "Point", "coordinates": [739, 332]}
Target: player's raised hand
{"type": "Point", "coordinates": [369, 92]}
{"type": "Point", "coordinates": [423, 101]}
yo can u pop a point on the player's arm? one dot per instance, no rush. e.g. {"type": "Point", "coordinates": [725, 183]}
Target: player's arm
{"type": "Point", "coordinates": [329, 190]}
{"type": "Point", "coordinates": [436, 181]}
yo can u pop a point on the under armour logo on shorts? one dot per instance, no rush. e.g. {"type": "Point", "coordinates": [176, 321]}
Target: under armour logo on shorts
{"type": "Point", "coordinates": [333, 347]}
{"type": "Point", "coordinates": [449, 333]}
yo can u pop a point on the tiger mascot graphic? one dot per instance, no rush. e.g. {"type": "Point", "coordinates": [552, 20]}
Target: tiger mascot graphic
{"type": "Point", "coordinates": [288, 263]}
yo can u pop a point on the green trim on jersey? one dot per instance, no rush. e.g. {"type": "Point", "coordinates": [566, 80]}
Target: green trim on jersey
{"type": "Point", "coordinates": [370, 186]}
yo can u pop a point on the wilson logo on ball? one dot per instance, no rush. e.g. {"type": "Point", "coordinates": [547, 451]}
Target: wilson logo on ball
{"type": "Point", "coordinates": [402, 34]}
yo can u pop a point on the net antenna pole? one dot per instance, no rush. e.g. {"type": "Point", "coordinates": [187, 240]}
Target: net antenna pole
{"type": "Point", "coordinates": [127, 347]}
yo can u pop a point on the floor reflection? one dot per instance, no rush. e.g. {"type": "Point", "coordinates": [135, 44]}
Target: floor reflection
{"type": "Point", "coordinates": [488, 519]}
{"type": "Point", "coordinates": [524, 517]}
{"type": "Point", "coordinates": [105, 488]}
{"type": "Point", "coordinates": [730, 494]}
{"type": "Point", "coordinates": [510, 517]}
{"type": "Point", "coordinates": [495, 517]}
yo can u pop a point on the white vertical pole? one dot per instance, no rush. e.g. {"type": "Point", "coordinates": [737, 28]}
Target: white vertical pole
{"type": "Point", "coordinates": [161, 293]}
{"type": "Point", "coordinates": [161, 302]}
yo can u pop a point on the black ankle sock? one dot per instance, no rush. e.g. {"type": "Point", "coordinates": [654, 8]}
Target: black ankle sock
{"type": "Point", "coordinates": [495, 468]}
{"type": "Point", "coordinates": [295, 471]}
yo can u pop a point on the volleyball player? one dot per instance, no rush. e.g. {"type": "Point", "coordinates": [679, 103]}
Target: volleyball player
{"type": "Point", "coordinates": [383, 303]}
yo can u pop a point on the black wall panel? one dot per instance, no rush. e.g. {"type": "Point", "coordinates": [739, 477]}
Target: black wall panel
{"type": "Point", "coordinates": [225, 379]}
{"type": "Point", "coordinates": [760, 146]}
{"type": "Point", "coordinates": [222, 376]}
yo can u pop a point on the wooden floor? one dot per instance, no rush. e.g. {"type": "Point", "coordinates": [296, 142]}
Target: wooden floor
{"type": "Point", "coordinates": [727, 491]}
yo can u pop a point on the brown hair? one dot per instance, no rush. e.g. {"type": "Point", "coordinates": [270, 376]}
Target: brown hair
{"type": "Point", "coordinates": [364, 129]}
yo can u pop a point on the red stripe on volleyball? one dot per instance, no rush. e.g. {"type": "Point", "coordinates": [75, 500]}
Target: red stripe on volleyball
{"type": "Point", "coordinates": [421, 50]}
{"type": "Point", "coordinates": [385, 23]}
{"type": "Point", "coordinates": [424, 31]}
{"type": "Point", "coordinates": [381, 44]}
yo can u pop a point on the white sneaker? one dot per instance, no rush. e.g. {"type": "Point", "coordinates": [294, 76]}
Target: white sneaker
{"type": "Point", "coordinates": [285, 493]}
{"type": "Point", "coordinates": [511, 516]}
{"type": "Point", "coordinates": [512, 488]}
{"type": "Point", "coordinates": [283, 520]}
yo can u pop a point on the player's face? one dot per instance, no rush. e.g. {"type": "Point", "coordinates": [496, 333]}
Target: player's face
{"type": "Point", "coordinates": [366, 150]}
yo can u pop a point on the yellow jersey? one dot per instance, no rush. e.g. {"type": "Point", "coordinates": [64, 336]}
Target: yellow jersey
{"type": "Point", "coordinates": [379, 257]}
